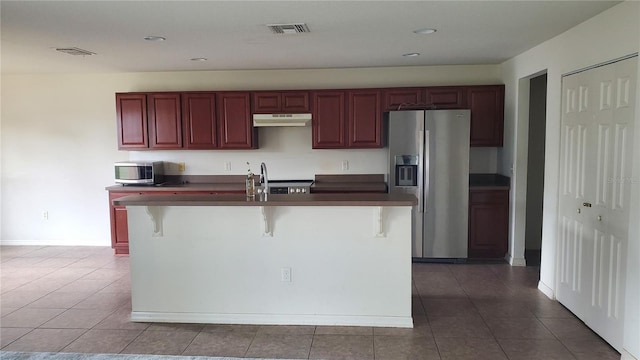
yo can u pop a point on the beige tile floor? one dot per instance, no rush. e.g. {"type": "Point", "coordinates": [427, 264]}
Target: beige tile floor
{"type": "Point", "coordinates": [77, 299]}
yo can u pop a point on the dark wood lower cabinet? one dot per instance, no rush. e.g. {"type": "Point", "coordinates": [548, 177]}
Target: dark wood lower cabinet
{"type": "Point", "coordinates": [488, 223]}
{"type": "Point", "coordinates": [119, 225]}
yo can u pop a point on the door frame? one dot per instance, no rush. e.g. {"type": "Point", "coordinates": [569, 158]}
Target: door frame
{"type": "Point", "coordinates": [518, 220]}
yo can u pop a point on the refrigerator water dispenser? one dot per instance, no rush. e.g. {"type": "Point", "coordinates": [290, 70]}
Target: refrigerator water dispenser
{"type": "Point", "coordinates": [406, 170]}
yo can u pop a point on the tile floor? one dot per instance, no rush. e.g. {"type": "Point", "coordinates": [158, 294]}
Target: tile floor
{"type": "Point", "coordinates": [77, 299]}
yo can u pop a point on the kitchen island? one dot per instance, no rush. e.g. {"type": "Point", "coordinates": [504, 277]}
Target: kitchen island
{"type": "Point", "coordinates": [320, 259]}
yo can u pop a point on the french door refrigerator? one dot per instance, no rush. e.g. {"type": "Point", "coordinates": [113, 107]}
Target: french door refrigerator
{"type": "Point", "coordinates": [429, 157]}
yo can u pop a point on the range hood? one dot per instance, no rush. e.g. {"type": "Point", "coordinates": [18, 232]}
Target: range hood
{"type": "Point", "coordinates": [281, 119]}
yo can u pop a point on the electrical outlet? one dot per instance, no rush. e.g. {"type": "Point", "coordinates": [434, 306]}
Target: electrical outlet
{"type": "Point", "coordinates": [227, 166]}
{"type": "Point", "coordinates": [181, 167]}
{"type": "Point", "coordinates": [45, 215]}
{"type": "Point", "coordinates": [285, 274]}
{"type": "Point", "coordinates": [345, 165]}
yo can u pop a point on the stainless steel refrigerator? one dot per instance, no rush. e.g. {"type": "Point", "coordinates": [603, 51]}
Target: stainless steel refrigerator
{"type": "Point", "coordinates": [429, 157]}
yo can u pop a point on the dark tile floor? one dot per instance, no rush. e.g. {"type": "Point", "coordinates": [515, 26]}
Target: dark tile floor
{"type": "Point", "coordinates": [77, 299]}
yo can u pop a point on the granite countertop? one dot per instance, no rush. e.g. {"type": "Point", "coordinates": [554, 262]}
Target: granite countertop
{"type": "Point", "coordinates": [353, 183]}
{"type": "Point", "coordinates": [271, 200]}
{"type": "Point", "coordinates": [489, 181]}
{"type": "Point", "coordinates": [213, 187]}
{"type": "Point", "coordinates": [349, 187]}
{"type": "Point", "coordinates": [200, 183]}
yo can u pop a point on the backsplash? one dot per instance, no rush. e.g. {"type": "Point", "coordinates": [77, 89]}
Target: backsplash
{"type": "Point", "coordinates": [483, 160]}
{"type": "Point", "coordinates": [288, 154]}
{"type": "Point", "coordinates": [286, 151]}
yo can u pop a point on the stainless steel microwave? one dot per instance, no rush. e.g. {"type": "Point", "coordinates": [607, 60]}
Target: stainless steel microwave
{"type": "Point", "coordinates": [136, 172]}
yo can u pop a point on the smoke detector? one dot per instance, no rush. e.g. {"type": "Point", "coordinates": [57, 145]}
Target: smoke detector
{"type": "Point", "coordinates": [75, 51]}
{"type": "Point", "coordinates": [288, 28]}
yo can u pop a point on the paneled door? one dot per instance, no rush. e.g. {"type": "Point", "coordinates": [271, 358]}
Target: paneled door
{"type": "Point", "coordinates": [595, 180]}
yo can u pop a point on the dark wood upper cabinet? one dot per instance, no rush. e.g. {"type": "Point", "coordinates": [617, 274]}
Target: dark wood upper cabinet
{"type": "Point", "coordinates": [131, 110]}
{"type": "Point", "coordinates": [199, 126]}
{"type": "Point", "coordinates": [399, 98]}
{"type": "Point", "coordinates": [165, 125]}
{"type": "Point", "coordinates": [329, 120]}
{"type": "Point", "coordinates": [487, 114]}
{"type": "Point", "coordinates": [296, 102]}
{"type": "Point", "coordinates": [266, 102]}
{"type": "Point", "coordinates": [341, 118]}
{"type": "Point", "coordinates": [445, 97]}
{"type": "Point", "coordinates": [488, 223]}
{"type": "Point", "coordinates": [365, 119]}
{"type": "Point", "coordinates": [235, 124]}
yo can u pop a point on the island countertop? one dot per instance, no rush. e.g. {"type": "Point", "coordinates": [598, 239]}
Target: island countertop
{"type": "Point", "coordinates": [201, 187]}
{"type": "Point", "coordinates": [381, 199]}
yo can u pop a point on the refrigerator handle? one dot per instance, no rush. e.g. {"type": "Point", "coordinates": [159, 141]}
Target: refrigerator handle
{"type": "Point", "coordinates": [421, 140]}
{"type": "Point", "coordinates": [425, 185]}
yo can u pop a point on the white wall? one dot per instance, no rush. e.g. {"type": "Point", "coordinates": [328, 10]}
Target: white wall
{"type": "Point", "coordinates": [609, 35]}
{"type": "Point", "coordinates": [58, 140]}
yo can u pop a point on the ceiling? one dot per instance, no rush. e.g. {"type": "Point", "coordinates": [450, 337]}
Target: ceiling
{"type": "Point", "coordinates": [233, 35]}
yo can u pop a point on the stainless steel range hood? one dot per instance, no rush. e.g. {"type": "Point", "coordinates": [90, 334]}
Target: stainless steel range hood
{"type": "Point", "coordinates": [281, 119]}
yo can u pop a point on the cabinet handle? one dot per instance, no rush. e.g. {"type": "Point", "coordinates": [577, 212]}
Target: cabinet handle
{"type": "Point", "coordinates": [579, 211]}
{"type": "Point", "coordinates": [586, 204]}
{"type": "Point", "coordinates": [599, 217]}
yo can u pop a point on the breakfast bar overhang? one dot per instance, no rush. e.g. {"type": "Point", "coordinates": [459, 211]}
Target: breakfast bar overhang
{"type": "Point", "coordinates": [318, 259]}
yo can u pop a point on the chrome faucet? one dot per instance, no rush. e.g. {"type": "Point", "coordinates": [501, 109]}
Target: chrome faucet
{"type": "Point", "coordinates": [264, 179]}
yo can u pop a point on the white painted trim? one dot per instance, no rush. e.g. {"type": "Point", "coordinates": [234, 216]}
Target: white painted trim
{"type": "Point", "coordinates": [155, 214]}
{"type": "Point", "coordinates": [378, 228]}
{"type": "Point", "coordinates": [626, 356]}
{"type": "Point", "coordinates": [267, 230]}
{"type": "Point", "coordinates": [273, 319]}
{"type": "Point", "coordinates": [546, 290]}
{"type": "Point", "coordinates": [513, 261]}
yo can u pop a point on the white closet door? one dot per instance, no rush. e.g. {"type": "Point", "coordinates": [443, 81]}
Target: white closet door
{"type": "Point", "coordinates": [576, 145]}
{"type": "Point", "coordinates": [596, 156]}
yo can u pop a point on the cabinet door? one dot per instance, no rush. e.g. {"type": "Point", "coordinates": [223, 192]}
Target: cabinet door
{"type": "Point", "coordinates": [295, 102]}
{"type": "Point", "coordinates": [445, 97]}
{"type": "Point", "coordinates": [119, 225]}
{"type": "Point", "coordinates": [397, 99]}
{"type": "Point", "coordinates": [132, 121]}
{"type": "Point", "coordinates": [487, 114]}
{"type": "Point", "coordinates": [488, 223]}
{"type": "Point", "coordinates": [165, 125]}
{"type": "Point", "coordinates": [266, 102]}
{"type": "Point", "coordinates": [365, 119]}
{"type": "Point", "coordinates": [235, 125]}
{"type": "Point", "coordinates": [199, 121]}
{"type": "Point", "coordinates": [329, 123]}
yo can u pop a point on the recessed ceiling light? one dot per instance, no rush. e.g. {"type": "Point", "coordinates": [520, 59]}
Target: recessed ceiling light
{"type": "Point", "coordinates": [199, 59]}
{"type": "Point", "coordinates": [425, 31]}
{"type": "Point", "coordinates": [155, 38]}
{"type": "Point", "coordinates": [411, 54]}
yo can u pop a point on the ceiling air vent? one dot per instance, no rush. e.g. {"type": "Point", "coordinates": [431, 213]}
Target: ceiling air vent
{"type": "Point", "coordinates": [75, 51]}
{"type": "Point", "coordinates": [288, 28]}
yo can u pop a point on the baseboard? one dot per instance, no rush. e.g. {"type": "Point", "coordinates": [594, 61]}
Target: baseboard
{"type": "Point", "coordinates": [273, 319]}
{"type": "Point", "coordinates": [515, 261]}
{"type": "Point", "coordinates": [546, 290]}
{"type": "Point", "coordinates": [626, 356]}
{"type": "Point", "coordinates": [57, 242]}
